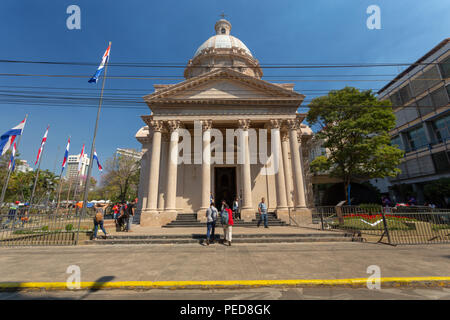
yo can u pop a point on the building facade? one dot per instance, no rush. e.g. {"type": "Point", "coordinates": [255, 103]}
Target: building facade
{"type": "Point", "coordinates": [129, 153]}
{"type": "Point", "coordinates": [237, 136]}
{"type": "Point", "coordinates": [420, 97]}
{"type": "Point", "coordinates": [73, 166]}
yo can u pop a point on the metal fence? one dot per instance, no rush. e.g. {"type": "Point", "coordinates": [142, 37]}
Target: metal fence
{"type": "Point", "coordinates": [43, 227]}
{"type": "Point", "coordinates": [401, 225]}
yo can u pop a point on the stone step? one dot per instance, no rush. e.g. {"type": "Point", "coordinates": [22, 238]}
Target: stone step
{"type": "Point", "coordinates": [235, 240]}
{"type": "Point", "coordinates": [240, 235]}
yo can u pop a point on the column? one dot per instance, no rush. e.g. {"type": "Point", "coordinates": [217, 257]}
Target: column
{"type": "Point", "coordinates": [152, 198]}
{"type": "Point", "coordinates": [206, 164]}
{"type": "Point", "coordinates": [246, 173]}
{"type": "Point", "coordinates": [287, 168]}
{"type": "Point", "coordinates": [277, 156]}
{"type": "Point", "coordinates": [299, 190]}
{"type": "Point", "coordinates": [165, 137]}
{"type": "Point", "coordinates": [172, 165]}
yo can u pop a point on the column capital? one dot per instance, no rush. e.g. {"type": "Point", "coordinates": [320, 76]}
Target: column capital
{"type": "Point", "coordinates": [276, 123]}
{"type": "Point", "coordinates": [244, 124]}
{"type": "Point", "coordinates": [173, 125]}
{"type": "Point", "coordinates": [284, 136]}
{"type": "Point", "coordinates": [293, 124]}
{"type": "Point", "coordinates": [206, 124]}
{"type": "Point", "coordinates": [156, 125]}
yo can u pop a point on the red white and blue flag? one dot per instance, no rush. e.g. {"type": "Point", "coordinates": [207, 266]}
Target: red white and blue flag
{"type": "Point", "coordinates": [100, 68]}
{"type": "Point", "coordinates": [98, 163]}
{"type": "Point", "coordinates": [80, 160]}
{"type": "Point", "coordinates": [12, 162]}
{"type": "Point", "coordinates": [66, 155]}
{"type": "Point", "coordinates": [7, 139]}
{"type": "Point", "coordinates": [44, 139]}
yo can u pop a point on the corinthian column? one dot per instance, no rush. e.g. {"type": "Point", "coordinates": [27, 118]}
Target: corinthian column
{"type": "Point", "coordinates": [300, 202]}
{"type": "Point", "coordinates": [247, 210]}
{"type": "Point", "coordinates": [172, 165]}
{"type": "Point", "coordinates": [206, 164]}
{"type": "Point", "coordinates": [153, 178]}
{"type": "Point", "coordinates": [277, 156]}
{"type": "Point", "coordinates": [287, 168]}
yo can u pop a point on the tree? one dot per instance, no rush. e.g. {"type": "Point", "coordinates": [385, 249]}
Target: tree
{"type": "Point", "coordinates": [437, 191]}
{"type": "Point", "coordinates": [120, 180]}
{"type": "Point", "coordinates": [355, 129]}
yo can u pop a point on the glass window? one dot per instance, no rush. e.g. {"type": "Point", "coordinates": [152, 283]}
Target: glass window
{"type": "Point", "coordinates": [445, 67]}
{"type": "Point", "coordinates": [405, 93]}
{"type": "Point", "coordinates": [397, 140]}
{"type": "Point", "coordinates": [417, 138]}
{"type": "Point", "coordinates": [395, 99]}
{"type": "Point", "coordinates": [442, 128]}
{"type": "Point", "coordinates": [425, 105]}
{"type": "Point", "coordinates": [439, 97]}
{"type": "Point", "coordinates": [425, 81]}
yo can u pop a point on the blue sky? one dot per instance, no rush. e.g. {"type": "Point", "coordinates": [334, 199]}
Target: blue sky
{"type": "Point", "coordinates": [277, 32]}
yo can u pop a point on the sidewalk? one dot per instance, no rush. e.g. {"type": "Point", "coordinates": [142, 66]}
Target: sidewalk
{"type": "Point", "coordinates": [218, 262]}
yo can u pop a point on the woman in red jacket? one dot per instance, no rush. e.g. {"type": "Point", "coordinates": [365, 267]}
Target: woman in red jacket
{"type": "Point", "coordinates": [227, 227]}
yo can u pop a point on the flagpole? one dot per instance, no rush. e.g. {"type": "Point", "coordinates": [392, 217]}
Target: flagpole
{"type": "Point", "coordinates": [58, 199]}
{"type": "Point", "coordinates": [37, 176]}
{"type": "Point", "coordinates": [5, 186]}
{"type": "Point", "coordinates": [91, 157]}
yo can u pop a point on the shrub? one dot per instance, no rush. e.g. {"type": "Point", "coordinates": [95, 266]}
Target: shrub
{"type": "Point", "coordinates": [69, 227]}
{"type": "Point", "coordinates": [44, 228]}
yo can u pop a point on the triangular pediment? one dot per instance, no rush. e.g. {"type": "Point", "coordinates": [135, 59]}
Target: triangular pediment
{"type": "Point", "coordinates": [225, 84]}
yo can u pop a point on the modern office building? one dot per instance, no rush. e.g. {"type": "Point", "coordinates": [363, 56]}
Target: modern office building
{"type": "Point", "coordinates": [420, 97]}
{"type": "Point", "coordinates": [73, 163]}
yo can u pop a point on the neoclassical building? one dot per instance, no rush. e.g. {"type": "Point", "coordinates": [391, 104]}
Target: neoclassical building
{"type": "Point", "coordinates": [207, 136]}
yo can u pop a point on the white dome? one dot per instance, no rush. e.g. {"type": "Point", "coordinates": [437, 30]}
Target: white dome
{"type": "Point", "coordinates": [220, 41]}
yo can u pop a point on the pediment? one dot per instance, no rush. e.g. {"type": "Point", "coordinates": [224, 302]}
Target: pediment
{"type": "Point", "coordinates": [222, 85]}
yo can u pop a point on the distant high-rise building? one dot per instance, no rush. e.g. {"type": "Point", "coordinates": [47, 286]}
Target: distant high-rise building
{"type": "Point", "coordinates": [73, 163]}
{"type": "Point", "coordinates": [23, 166]}
{"type": "Point", "coordinates": [130, 153]}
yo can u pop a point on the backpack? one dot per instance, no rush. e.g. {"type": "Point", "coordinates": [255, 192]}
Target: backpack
{"type": "Point", "coordinates": [98, 216]}
{"type": "Point", "coordinates": [224, 217]}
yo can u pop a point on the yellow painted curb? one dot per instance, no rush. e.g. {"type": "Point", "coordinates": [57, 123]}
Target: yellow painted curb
{"type": "Point", "coordinates": [441, 281]}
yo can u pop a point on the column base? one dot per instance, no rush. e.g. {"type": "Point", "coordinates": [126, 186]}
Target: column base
{"type": "Point", "coordinates": [283, 214]}
{"type": "Point", "coordinates": [248, 214]}
{"type": "Point", "coordinates": [201, 214]}
{"type": "Point", "coordinates": [301, 216]}
{"type": "Point", "coordinates": [154, 218]}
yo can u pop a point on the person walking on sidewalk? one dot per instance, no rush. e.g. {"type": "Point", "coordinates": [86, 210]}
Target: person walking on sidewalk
{"type": "Point", "coordinates": [262, 208]}
{"type": "Point", "coordinates": [98, 219]}
{"type": "Point", "coordinates": [130, 212]}
{"type": "Point", "coordinates": [226, 217]}
{"type": "Point", "coordinates": [211, 217]}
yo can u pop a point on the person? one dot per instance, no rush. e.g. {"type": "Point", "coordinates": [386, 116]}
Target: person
{"type": "Point", "coordinates": [13, 212]}
{"type": "Point", "coordinates": [227, 223]}
{"type": "Point", "coordinates": [412, 201]}
{"type": "Point", "coordinates": [211, 217]}
{"type": "Point", "coordinates": [122, 215]}
{"type": "Point", "coordinates": [262, 209]}
{"type": "Point", "coordinates": [211, 198]}
{"type": "Point", "coordinates": [386, 201]}
{"type": "Point", "coordinates": [236, 209]}
{"type": "Point", "coordinates": [98, 219]}
{"type": "Point", "coordinates": [130, 212]}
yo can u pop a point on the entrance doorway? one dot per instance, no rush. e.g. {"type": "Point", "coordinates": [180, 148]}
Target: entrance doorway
{"type": "Point", "coordinates": [225, 185]}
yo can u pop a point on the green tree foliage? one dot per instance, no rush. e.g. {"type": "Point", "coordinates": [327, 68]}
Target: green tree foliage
{"type": "Point", "coordinates": [355, 129]}
{"type": "Point", "coordinates": [436, 191]}
{"type": "Point", "coordinates": [120, 180]}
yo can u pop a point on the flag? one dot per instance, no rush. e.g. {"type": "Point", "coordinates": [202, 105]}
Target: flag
{"type": "Point", "coordinates": [44, 139]}
{"type": "Point", "coordinates": [98, 163]}
{"type": "Point", "coordinates": [100, 68]}
{"type": "Point", "coordinates": [80, 159]}
{"type": "Point", "coordinates": [66, 154]}
{"type": "Point", "coordinates": [12, 162]}
{"type": "Point", "coordinates": [7, 139]}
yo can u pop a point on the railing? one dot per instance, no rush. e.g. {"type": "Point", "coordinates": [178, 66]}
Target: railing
{"type": "Point", "coordinates": [402, 225]}
{"type": "Point", "coordinates": [44, 228]}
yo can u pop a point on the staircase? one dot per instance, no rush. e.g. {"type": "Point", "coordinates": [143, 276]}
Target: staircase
{"type": "Point", "coordinates": [129, 239]}
{"type": "Point", "coordinates": [186, 220]}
